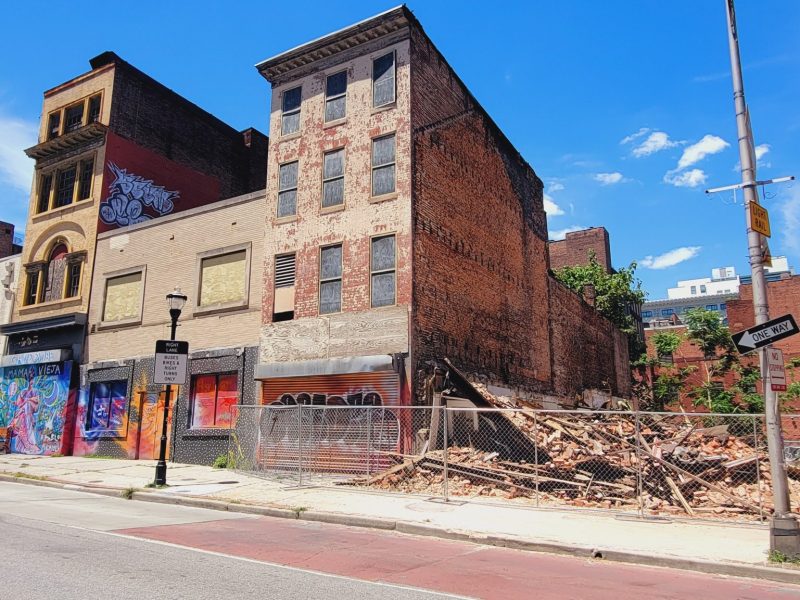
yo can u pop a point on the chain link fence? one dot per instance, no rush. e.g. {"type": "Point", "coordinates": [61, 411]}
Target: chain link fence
{"type": "Point", "coordinates": [650, 464]}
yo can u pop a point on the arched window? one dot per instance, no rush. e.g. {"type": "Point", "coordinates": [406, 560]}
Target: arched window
{"type": "Point", "coordinates": [56, 272]}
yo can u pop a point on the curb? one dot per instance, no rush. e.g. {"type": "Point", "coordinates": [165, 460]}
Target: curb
{"type": "Point", "coordinates": [742, 570]}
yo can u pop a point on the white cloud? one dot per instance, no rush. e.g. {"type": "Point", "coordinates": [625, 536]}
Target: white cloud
{"type": "Point", "coordinates": [761, 150]}
{"type": "Point", "coordinates": [655, 142]}
{"type": "Point", "coordinates": [790, 210]}
{"type": "Point", "coordinates": [691, 178]}
{"type": "Point", "coordinates": [551, 208]}
{"type": "Point", "coordinates": [555, 186]}
{"type": "Point", "coordinates": [635, 136]}
{"type": "Point", "coordinates": [671, 258]}
{"type": "Point", "coordinates": [609, 178]}
{"type": "Point", "coordinates": [560, 234]}
{"type": "Point", "coordinates": [16, 169]}
{"type": "Point", "coordinates": [710, 144]}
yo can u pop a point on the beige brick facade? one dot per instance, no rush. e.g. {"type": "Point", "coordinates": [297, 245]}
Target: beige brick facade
{"type": "Point", "coordinates": [167, 252]}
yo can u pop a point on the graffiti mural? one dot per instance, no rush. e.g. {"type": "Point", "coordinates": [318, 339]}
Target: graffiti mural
{"type": "Point", "coordinates": [36, 406]}
{"type": "Point", "coordinates": [129, 194]}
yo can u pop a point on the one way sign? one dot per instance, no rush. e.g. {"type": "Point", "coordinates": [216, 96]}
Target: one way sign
{"type": "Point", "coordinates": [765, 334]}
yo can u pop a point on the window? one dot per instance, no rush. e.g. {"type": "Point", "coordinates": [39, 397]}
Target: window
{"type": "Point", "coordinates": [694, 289]}
{"type": "Point", "coordinates": [383, 150]}
{"type": "Point", "coordinates": [712, 307]}
{"type": "Point", "coordinates": [330, 279]}
{"type": "Point", "coordinates": [56, 273]}
{"type": "Point", "coordinates": [647, 314]}
{"type": "Point", "coordinates": [702, 289]}
{"type": "Point", "coordinates": [65, 186]}
{"type": "Point", "coordinates": [223, 279]}
{"type": "Point", "coordinates": [283, 305]}
{"type": "Point", "coordinates": [666, 359]}
{"type": "Point", "coordinates": [32, 290]}
{"type": "Point", "coordinates": [335, 96]}
{"type": "Point", "coordinates": [45, 189]}
{"type": "Point", "coordinates": [382, 271]}
{"type": "Point", "coordinates": [108, 405]}
{"type": "Point", "coordinates": [383, 91]}
{"type": "Point", "coordinates": [333, 178]}
{"type": "Point", "coordinates": [213, 395]}
{"type": "Point", "coordinates": [723, 306]}
{"type": "Point", "coordinates": [94, 109]}
{"type": "Point", "coordinates": [123, 298]}
{"type": "Point", "coordinates": [54, 125]}
{"type": "Point", "coordinates": [666, 312]}
{"type": "Point", "coordinates": [290, 111]}
{"type": "Point", "coordinates": [85, 183]}
{"type": "Point", "coordinates": [287, 190]}
{"type": "Point", "coordinates": [73, 284]}
{"type": "Point", "coordinates": [74, 116]}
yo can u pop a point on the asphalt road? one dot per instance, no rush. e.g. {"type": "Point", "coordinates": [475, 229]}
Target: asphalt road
{"type": "Point", "coordinates": [78, 545]}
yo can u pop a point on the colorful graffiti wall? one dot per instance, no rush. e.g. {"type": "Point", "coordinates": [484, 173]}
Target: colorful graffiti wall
{"type": "Point", "coordinates": [140, 185]}
{"type": "Point", "coordinates": [36, 404]}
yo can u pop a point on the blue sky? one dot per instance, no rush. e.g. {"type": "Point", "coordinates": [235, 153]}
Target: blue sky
{"type": "Point", "coordinates": [567, 81]}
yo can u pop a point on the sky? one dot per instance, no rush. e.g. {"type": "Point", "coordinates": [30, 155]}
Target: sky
{"type": "Point", "coordinates": [623, 108]}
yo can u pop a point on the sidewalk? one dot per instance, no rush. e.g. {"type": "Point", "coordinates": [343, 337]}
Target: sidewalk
{"type": "Point", "coordinates": [718, 548]}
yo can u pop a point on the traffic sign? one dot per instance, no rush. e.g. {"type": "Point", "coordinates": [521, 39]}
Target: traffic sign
{"type": "Point", "coordinates": [759, 219]}
{"type": "Point", "coordinates": [171, 360]}
{"type": "Point", "coordinates": [765, 334]}
{"type": "Point", "coordinates": [777, 374]}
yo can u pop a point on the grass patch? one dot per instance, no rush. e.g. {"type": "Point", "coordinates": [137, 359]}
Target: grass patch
{"type": "Point", "coordinates": [28, 476]}
{"type": "Point", "coordinates": [101, 456]}
{"type": "Point", "coordinates": [778, 557]}
{"type": "Point", "coordinates": [127, 493]}
{"type": "Point", "coordinates": [299, 510]}
{"type": "Point", "coordinates": [55, 455]}
{"type": "Point", "coordinates": [221, 462]}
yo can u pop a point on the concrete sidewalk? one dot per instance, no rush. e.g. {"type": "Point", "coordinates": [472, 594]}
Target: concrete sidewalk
{"type": "Point", "coordinates": [719, 548]}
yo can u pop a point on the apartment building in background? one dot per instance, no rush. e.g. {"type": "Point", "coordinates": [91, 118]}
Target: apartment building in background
{"type": "Point", "coordinates": [115, 148]}
{"type": "Point", "coordinates": [404, 228]}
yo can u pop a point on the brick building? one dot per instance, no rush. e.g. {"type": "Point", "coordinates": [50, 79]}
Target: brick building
{"type": "Point", "coordinates": [403, 227]}
{"type": "Point", "coordinates": [115, 148]}
{"type": "Point", "coordinates": [577, 246]}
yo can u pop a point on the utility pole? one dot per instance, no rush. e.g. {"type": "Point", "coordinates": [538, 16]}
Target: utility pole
{"type": "Point", "coordinates": [784, 530]}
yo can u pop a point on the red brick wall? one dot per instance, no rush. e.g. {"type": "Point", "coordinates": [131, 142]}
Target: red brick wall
{"type": "Point", "coordinates": [783, 297]}
{"type": "Point", "coordinates": [588, 351]}
{"type": "Point", "coordinates": [6, 239]}
{"type": "Point", "coordinates": [574, 249]}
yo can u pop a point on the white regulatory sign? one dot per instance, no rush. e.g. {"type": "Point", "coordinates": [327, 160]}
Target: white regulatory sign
{"type": "Point", "coordinates": [171, 360]}
{"type": "Point", "coordinates": [777, 374]}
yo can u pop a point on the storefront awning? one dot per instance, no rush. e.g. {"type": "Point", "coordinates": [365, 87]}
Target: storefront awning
{"type": "Point", "coordinates": [73, 320]}
{"type": "Point", "coordinates": [328, 366]}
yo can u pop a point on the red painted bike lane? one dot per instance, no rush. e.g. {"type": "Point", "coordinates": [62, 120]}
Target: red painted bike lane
{"type": "Point", "coordinates": [450, 566]}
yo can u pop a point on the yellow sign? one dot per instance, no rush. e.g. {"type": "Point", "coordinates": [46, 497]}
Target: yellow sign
{"type": "Point", "coordinates": [766, 255]}
{"type": "Point", "coordinates": [759, 219]}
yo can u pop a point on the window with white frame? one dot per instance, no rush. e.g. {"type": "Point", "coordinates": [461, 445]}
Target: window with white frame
{"type": "Point", "coordinates": [383, 80]}
{"type": "Point", "coordinates": [287, 190]}
{"type": "Point", "coordinates": [330, 279]}
{"type": "Point", "coordinates": [383, 165]}
{"type": "Point", "coordinates": [290, 111]}
{"type": "Point", "coordinates": [333, 178]}
{"type": "Point", "coordinates": [383, 283]}
{"type": "Point", "coordinates": [336, 96]}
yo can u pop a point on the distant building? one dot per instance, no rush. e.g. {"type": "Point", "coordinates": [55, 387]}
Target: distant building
{"type": "Point", "coordinates": [577, 246]}
{"type": "Point", "coordinates": [712, 293]}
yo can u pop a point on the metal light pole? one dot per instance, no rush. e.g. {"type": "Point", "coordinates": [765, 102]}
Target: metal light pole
{"type": "Point", "coordinates": [175, 301]}
{"type": "Point", "coordinates": [784, 531]}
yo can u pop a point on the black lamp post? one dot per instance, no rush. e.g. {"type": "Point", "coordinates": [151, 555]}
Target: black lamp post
{"type": "Point", "coordinates": [175, 301]}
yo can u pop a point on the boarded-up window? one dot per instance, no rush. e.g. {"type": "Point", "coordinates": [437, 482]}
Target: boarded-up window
{"type": "Point", "coordinates": [287, 190]}
{"type": "Point", "coordinates": [283, 309]}
{"type": "Point", "coordinates": [333, 178]}
{"type": "Point", "coordinates": [330, 279]}
{"type": "Point", "coordinates": [223, 278]}
{"type": "Point", "coordinates": [383, 89]}
{"type": "Point", "coordinates": [335, 96]}
{"type": "Point", "coordinates": [290, 113]}
{"type": "Point", "coordinates": [108, 406]}
{"type": "Point", "coordinates": [213, 396]}
{"type": "Point", "coordinates": [382, 271]}
{"type": "Point", "coordinates": [56, 271]}
{"type": "Point", "coordinates": [123, 297]}
{"type": "Point", "coordinates": [383, 152]}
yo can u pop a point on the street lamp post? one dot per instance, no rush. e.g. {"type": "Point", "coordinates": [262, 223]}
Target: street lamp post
{"type": "Point", "coordinates": [175, 301]}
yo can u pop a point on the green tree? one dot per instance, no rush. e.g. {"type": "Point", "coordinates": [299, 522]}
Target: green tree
{"type": "Point", "coordinates": [664, 381]}
{"type": "Point", "coordinates": [615, 293]}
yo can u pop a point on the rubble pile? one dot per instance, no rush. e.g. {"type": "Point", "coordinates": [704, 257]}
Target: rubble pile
{"type": "Point", "coordinates": [675, 464]}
